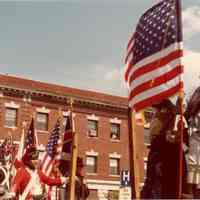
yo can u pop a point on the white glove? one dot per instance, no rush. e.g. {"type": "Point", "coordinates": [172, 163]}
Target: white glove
{"type": "Point", "coordinates": [64, 180]}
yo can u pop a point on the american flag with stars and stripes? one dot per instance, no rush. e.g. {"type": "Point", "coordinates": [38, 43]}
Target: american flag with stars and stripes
{"type": "Point", "coordinates": [31, 137]}
{"type": "Point", "coordinates": [27, 141]}
{"type": "Point", "coordinates": [153, 59]}
{"type": "Point", "coordinates": [53, 150]}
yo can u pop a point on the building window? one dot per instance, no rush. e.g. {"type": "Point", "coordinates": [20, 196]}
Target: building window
{"type": "Point", "coordinates": [92, 128]}
{"type": "Point", "coordinates": [115, 131]}
{"type": "Point", "coordinates": [148, 115]}
{"type": "Point", "coordinates": [42, 121]}
{"type": "Point", "coordinates": [11, 117]}
{"type": "Point", "coordinates": [91, 164]}
{"type": "Point", "coordinates": [114, 166]}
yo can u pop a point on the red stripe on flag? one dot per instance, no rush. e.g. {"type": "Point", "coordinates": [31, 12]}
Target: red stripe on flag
{"type": "Point", "coordinates": [130, 41]}
{"type": "Point", "coordinates": [44, 159]}
{"type": "Point", "coordinates": [155, 64]}
{"type": "Point", "coordinates": [156, 98]}
{"type": "Point", "coordinates": [129, 67]}
{"type": "Point", "coordinates": [157, 81]}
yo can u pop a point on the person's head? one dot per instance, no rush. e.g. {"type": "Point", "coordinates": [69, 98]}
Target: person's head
{"type": "Point", "coordinates": [30, 157]}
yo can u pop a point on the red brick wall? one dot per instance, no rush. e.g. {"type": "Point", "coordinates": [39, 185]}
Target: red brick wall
{"type": "Point", "coordinates": [103, 145]}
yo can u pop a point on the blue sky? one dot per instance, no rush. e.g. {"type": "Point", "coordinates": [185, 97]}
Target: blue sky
{"type": "Point", "coordinates": [81, 43]}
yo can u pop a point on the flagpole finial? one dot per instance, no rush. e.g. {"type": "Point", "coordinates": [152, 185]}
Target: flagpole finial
{"type": "Point", "coordinates": [24, 123]}
{"type": "Point", "coordinates": [71, 101]}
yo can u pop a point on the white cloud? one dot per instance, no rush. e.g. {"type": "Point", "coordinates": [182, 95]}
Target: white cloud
{"type": "Point", "coordinates": [191, 61]}
{"type": "Point", "coordinates": [191, 21]}
{"type": "Point", "coordinates": [117, 75]}
{"type": "Point", "coordinates": [113, 75]}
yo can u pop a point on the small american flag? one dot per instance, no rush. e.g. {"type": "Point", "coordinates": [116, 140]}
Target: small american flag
{"type": "Point", "coordinates": [53, 149]}
{"type": "Point", "coordinates": [31, 137]}
{"type": "Point", "coordinates": [154, 69]}
{"type": "Point", "coordinates": [28, 140]}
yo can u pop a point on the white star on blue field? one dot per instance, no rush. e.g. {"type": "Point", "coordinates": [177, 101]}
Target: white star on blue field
{"type": "Point", "coordinates": [81, 43]}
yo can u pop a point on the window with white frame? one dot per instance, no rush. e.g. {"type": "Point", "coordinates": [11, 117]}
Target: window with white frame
{"type": "Point", "coordinates": [92, 128]}
{"type": "Point", "coordinates": [114, 168]}
{"type": "Point", "coordinates": [115, 131]}
{"type": "Point", "coordinates": [42, 121]}
{"type": "Point", "coordinates": [91, 164]}
{"type": "Point", "coordinates": [10, 117]}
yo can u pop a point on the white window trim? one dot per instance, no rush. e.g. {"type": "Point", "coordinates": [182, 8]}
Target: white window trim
{"type": "Point", "coordinates": [115, 155]}
{"type": "Point", "coordinates": [66, 113]}
{"type": "Point", "coordinates": [43, 110]}
{"type": "Point", "coordinates": [114, 175]}
{"type": "Point", "coordinates": [11, 127]}
{"type": "Point", "coordinates": [12, 104]}
{"type": "Point", "coordinates": [27, 99]}
{"type": "Point", "coordinates": [93, 117]}
{"type": "Point", "coordinates": [115, 121]}
{"type": "Point", "coordinates": [92, 153]}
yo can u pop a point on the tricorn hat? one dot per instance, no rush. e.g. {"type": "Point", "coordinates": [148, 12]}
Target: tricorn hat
{"type": "Point", "coordinates": [30, 154]}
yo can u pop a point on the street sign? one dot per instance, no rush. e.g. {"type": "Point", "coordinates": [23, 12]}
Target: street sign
{"type": "Point", "coordinates": [125, 178]}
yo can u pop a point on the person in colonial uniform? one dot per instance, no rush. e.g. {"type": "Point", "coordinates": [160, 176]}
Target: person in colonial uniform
{"type": "Point", "coordinates": [28, 184]}
{"type": "Point", "coordinates": [81, 188]}
{"type": "Point", "coordinates": [162, 171]}
{"type": "Point", "coordinates": [193, 117]}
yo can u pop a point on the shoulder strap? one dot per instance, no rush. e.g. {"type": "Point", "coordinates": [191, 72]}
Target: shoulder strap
{"type": "Point", "coordinates": [29, 186]}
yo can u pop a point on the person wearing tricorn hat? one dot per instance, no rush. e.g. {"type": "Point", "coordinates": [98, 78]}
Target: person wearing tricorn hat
{"type": "Point", "coordinates": [193, 118]}
{"type": "Point", "coordinates": [163, 159]}
{"type": "Point", "coordinates": [81, 189]}
{"type": "Point", "coordinates": [28, 184]}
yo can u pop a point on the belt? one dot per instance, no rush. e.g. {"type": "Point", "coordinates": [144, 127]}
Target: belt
{"type": "Point", "coordinates": [39, 197]}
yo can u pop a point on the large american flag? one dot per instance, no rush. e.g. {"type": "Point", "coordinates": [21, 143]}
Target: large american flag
{"type": "Point", "coordinates": [53, 149]}
{"type": "Point", "coordinates": [153, 64]}
{"type": "Point", "coordinates": [66, 155]}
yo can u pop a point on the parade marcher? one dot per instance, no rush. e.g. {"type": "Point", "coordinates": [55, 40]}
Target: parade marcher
{"type": "Point", "coordinates": [53, 192]}
{"type": "Point", "coordinates": [171, 153]}
{"type": "Point", "coordinates": [163, 159]}
{"type": "Point", "coordinates": [28, 184]}
{"type": "Point", "coordinates": [193, 117]}
{"type": "Point", "coordinates": [81, 189]}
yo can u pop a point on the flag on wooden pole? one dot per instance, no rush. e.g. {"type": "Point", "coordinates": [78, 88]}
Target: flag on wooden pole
{"type": "Point", "coordinates": [66, 154]}
{"type": "Point", "coordinates": [27, 141]}
{"type": "Point", "coordinates": [53, 150]}
{"type": "Point", "coordinates": [153, 64]}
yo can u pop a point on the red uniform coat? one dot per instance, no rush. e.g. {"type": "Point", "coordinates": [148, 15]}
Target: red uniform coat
{"type": "Point", "coordinates": [23, 177]}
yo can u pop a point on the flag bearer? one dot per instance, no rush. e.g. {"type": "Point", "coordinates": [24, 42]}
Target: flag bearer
{"type": "Point", "coordinates": [28, 184]}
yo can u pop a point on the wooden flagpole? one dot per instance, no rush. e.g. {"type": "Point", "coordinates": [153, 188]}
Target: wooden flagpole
{"type": "Point", "coordinates": [181, 96]}
{"type": "Point", "coordinates": [74, 155]}
{"type": "Point", "coordinates": [180, 146]}
{"type": "Point", "coordinates": [134, 164]}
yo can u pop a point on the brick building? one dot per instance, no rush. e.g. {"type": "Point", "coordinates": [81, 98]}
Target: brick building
{"type": "Point", "coordinates": [101, 122]}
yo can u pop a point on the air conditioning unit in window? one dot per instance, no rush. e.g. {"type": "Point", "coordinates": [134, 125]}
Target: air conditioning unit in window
{"type": "Point", "coordinates": [92, 132]}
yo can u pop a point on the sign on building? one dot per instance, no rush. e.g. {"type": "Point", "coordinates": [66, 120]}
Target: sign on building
{"type": "Point", "coordinates": [125, 193]}
{"type": "Point", "coordinates": [125, 178]}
